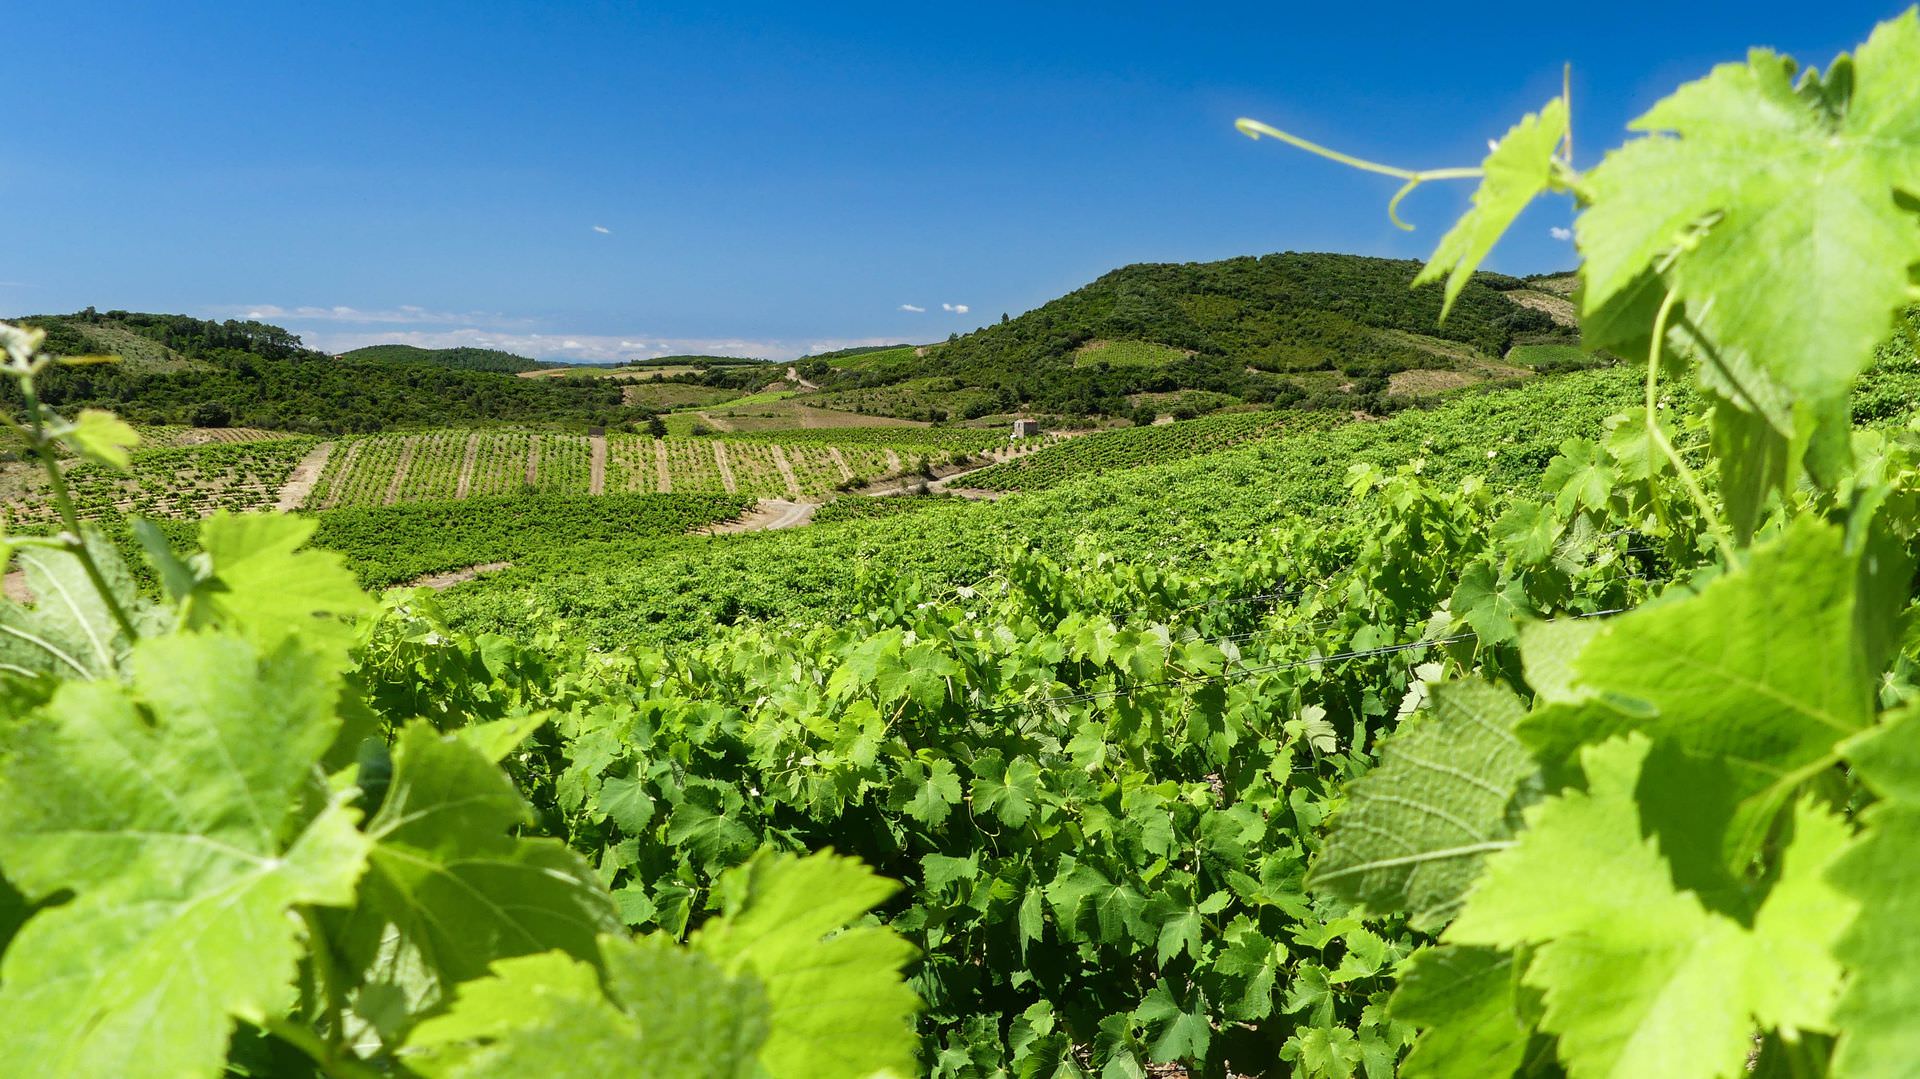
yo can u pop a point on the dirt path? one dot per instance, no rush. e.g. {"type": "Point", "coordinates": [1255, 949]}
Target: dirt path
{"type": "Point", "coordinates": [714, 422]}
{"type": "Point", "coordinates": [839, 462]}
{"type": "Point", "coordinates": [786, 471]}
{"type": "Point", "coordinates": [400, 468]}
{"type": "Point", "coordinates": [438, 581]}
{"type": "Point", "coordinates": [466, 467]}
{"type": "Point", "coordinates": [597, 466]}
{"type": "Point", "coordinates": [766, 515]}
{"type": "Point", "coordinates": [945, 482]}
{"type": "Point", "coordinates": [793, 375]}
{"type": "Point", "coordinates": [660, 466]}
{"type": "Point", "coordinates": [300, 481]}
{"type": "Point", "coordinates": [726, 470]}
{"type": "Point", "coordinates": [894, 467]}
{"type": "Point", "coordinates": [533, 460]}
{"type": "Point", "coordinates": [346, 469]}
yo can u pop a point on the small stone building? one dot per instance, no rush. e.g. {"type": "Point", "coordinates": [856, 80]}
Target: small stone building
{"type": "Point", "coordinates": [1025, 428]}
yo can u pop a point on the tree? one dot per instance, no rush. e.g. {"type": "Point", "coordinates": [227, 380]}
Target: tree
{"type": "Point", "coordinates": [211, 414]}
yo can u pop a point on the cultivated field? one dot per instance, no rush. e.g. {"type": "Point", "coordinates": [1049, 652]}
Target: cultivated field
{"type": "Point", "coordinates": [382, 470]}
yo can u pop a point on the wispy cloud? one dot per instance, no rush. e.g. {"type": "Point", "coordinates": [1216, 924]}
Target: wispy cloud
{"type": "Point", "coordinates": [405, 314]}
{"type": "Point", "coordinates": [915, 308]}
{"type": "Point", "coordinates": [956, 308]}
{"type": "Point", "coordinates": [579, 347]}
{"type": "Point", "coordinates": [1561, 234]}
{"type": "Point", "coordinates": [603, 230]}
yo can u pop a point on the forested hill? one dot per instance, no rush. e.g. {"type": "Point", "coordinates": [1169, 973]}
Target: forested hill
{"type": "Point", "coordinates": [181, 370]}
{"type": "Point", "coordinates": [1268, 328]}
{"type": "Point", "coordinates": [465, 359]}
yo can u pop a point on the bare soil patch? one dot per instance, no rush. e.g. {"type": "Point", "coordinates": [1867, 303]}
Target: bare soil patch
{"type": "Point", "coordinates": [726, 470]}
{"type": "Point", "coordinates": [294, 492]}
{"type": "Point", "coordinates": [1558, 308]}
{"type": "Point", "coordinates": [766, 515]}
{"type": "Point", "coordinates": [1422, 382]}
{"type": "Point", "coordinates": [438, 581]}
{"type": "Point", "coordinates": [596, 464]}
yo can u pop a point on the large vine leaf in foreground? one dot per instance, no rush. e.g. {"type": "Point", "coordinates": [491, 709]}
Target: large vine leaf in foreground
{"type": "Point", "coordinates": [1781, 200]}
{"type": "Point", "coordinates": [70, 631]}
{"type": "Point", "coordinates": [448, 891]}
{"type": "Point", "coordinates": [665, 1011]}
{"type": "Point", "coordinates": [779, 985]}
{"type": "Point", "coordinates": [1465, 998]}
{"type": "Point", "coordinates": [1519, 167]}
{"type": "Point", "coordinates": [1640, 977]}
{"type": "Point", "coordinates": [265, 587]}
{"type": "Point", "coordinates": [1416, 829]}
{"type": "Point", "coordinates": [1769, 667]}
{"type": "Point", "coordinates": [1881, 949]}
{"type": "Point", "coordinates": [169, 808]}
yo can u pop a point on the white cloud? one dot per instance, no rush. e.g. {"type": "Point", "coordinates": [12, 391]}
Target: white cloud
{"type": "Point", "coordinates": [1561, 234]}
{"type": "Point", "coordinates": [956, 308]}
{"type": "Point", "coordinates": [404, 314]}
{"type": "Point", "coordinates": [916, 309]}
{"type": "Point", "coordinates": [603, 230]}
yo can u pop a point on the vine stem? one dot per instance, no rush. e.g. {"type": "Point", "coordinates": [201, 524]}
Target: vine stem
{"type": "Point", "coordinates": [63, 504]}
{"type": "Point", "coordinates": [327, 1057]}
{"type": "Point", "coordinates": [1659, 438]}
{"type": "Point", "coordinates": [323, 969]}
{"type": "Point", "coordinates": [1254, 129]}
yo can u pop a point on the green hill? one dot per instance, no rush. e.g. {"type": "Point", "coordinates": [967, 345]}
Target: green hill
{"type": "Point", "coordinates": [182, 370]}
{"type": "Point", "coordinates": [463, 359]}
{"type": "Point", "coordinates": [1276, 329]}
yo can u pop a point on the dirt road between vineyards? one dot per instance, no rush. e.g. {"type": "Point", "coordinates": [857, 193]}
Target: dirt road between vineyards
{"type": "Point", "coordinates": [293, 493]}
{"type": "Point", "coordinates": [766, 515]}
{"type": "Point", "coordinates": [438, 581]}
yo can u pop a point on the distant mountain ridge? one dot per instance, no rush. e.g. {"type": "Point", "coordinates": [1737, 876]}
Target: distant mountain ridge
{"type": "Point", "coordinates": [463, 358]}
{"type": "Point", "coordinates": [177, 369]}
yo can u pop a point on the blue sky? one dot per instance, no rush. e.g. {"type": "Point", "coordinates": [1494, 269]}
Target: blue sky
{"type": "Point", "coordinates": [598, 181]}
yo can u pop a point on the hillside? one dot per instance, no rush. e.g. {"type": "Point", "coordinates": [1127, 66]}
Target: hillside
{"type": "Point", "coordinates": [462, 359]}
{"type": "Point", "coordinates": [182, 370]}
{"type": "Point", "coordinates": [1319, 329]}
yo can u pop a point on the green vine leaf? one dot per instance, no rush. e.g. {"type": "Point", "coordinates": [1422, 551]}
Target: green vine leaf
{"type": "Point", "coordinates": [449, 891]}
{"type": "Point", "coordinates": [70, 632]}
{"type": "Point", "coordinates": [1794, 270]}
{"type": "Point", "coordinates": [665, 1011]}
{"type": "Point", "coordinates": [264, 586]}
{"type": "Point", "coordinates": [1640, 976]}
{"type": "Point", "coordinates": [778, 985]}
{"type": "Point", "coordinates": [1769, 666]}
{"type": "Point", "coordinates": [1520, 167]}
{"type": "Point", "coordinates": [837, 1003]}
{"type": "Point", "coordinates": [1882, 953]}
{"type": "Point", "coordinates": [169, 808]}
{"type": "Point", "coordinates": [98, 436]}
{"type": "Point", "coordinates": [1464, 998]}
{"type": "Point", "coordinates": [1416, 829]}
